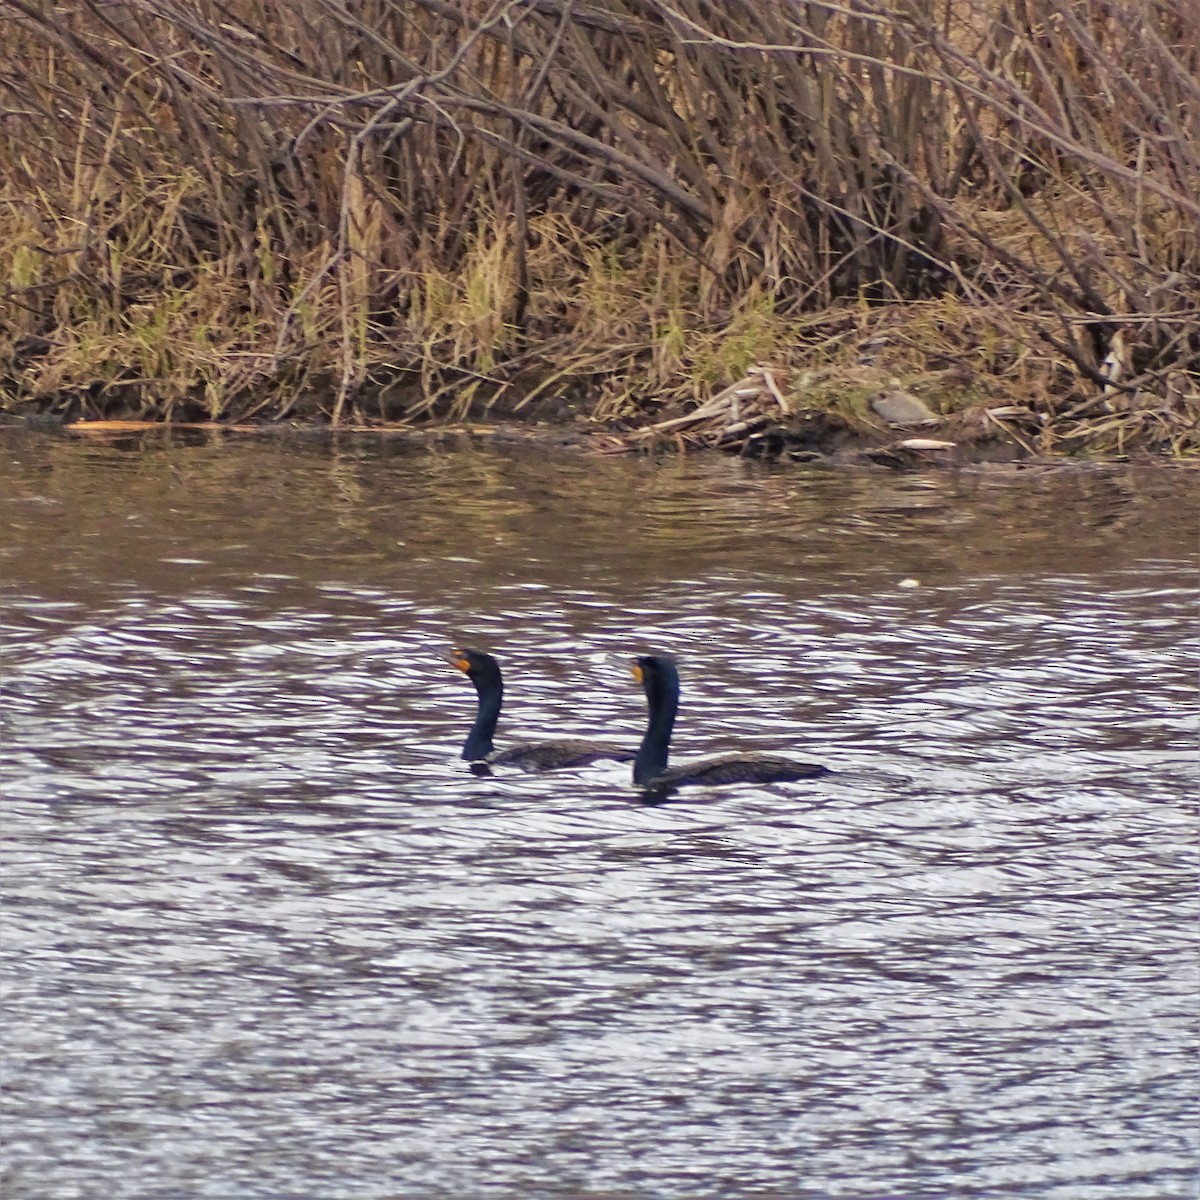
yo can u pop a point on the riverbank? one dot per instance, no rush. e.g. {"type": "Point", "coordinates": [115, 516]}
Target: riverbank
{"type": "Point", "coordinates": [862, 415]}
{"type": "Point", "coordinates": [724, 229]}
{"type": "Point", "coordinates": [830, 445]}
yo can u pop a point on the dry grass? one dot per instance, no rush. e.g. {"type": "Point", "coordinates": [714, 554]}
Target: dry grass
{"type": "Point", "coordinates": [425, 211]}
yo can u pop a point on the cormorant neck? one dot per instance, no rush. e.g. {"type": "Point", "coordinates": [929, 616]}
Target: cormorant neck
{"type": "Point", "coordinates": [662, 697]}
{"type": "Point", "coordinates": [479, 740]}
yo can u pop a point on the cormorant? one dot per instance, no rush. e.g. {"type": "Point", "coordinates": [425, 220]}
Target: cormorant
{"type": "Point", "coordinates": [660, 679]}
{"type": "Point", "coordinates": [484, 672]}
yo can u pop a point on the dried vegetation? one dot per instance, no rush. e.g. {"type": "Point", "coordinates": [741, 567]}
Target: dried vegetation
{"type": "Point", "coordinates": [708, 221]}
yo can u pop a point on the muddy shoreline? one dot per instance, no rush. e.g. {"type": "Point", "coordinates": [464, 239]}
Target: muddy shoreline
{"type": "Point", "coordinates": [855, 414]}
{"type": "Point", "coordinates": [961, 442]}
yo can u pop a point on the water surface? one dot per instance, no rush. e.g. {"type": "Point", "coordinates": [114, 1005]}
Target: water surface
{"type": "Point", "coordinates": [264, 935]}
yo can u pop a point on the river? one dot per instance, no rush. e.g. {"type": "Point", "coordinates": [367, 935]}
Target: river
{"type": "Point", "coordinates": [264, 934]}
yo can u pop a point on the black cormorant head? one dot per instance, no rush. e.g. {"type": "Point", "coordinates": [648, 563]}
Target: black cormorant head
{"type": "Point", "coordinates": [478, 667]}
{"type": "Point", "coordinates": [658, 676]}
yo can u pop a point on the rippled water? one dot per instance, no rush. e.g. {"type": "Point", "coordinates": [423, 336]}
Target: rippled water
{"type": "Point", "coordinates": [265, 936]}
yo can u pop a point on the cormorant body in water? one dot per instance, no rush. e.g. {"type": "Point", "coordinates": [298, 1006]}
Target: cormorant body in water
{"type": "Point", "coordinates": [660, 679]}
{"type": "Point", "coordinates": [484, 672]}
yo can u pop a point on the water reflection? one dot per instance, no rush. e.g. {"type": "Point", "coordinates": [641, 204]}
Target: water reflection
{"type": "Point", "coordinates": [265, 935]}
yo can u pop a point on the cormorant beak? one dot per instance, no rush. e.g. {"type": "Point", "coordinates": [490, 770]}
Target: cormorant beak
{"type": "Point", "coordinates": [456, 659]}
